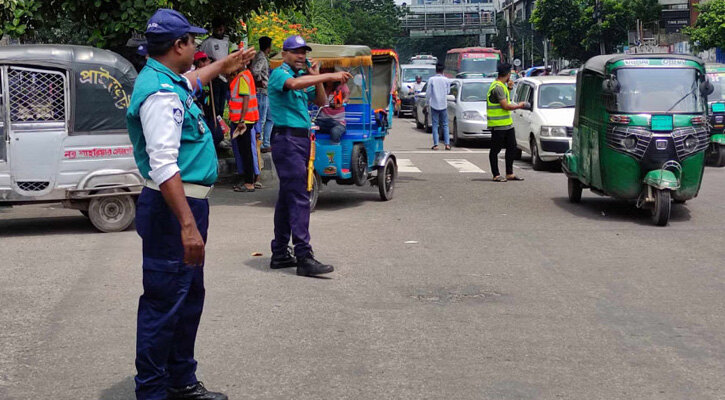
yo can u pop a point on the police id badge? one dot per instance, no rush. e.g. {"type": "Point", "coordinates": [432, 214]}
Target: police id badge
{"type": "Point", "coordinates": [201, 124]}
{"type": "Point", "coordinates": [189, 101]}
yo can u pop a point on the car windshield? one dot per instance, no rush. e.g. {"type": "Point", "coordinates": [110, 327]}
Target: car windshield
{"type": "Point", "coordinates": [667, 90]}
{"type": "Point", "coordinates": [557, 95]}
{"type": "Point", "coordinates": [481, 65]}
{"type": "Point", "coordinates": [718, 82]}
{"type": "Point", "coordinates": [409, 74]}
{"type": "Point", "coordinates": [474, 91]}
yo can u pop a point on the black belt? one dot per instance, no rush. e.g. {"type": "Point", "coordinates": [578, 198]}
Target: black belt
{"type": "Point", "coordinates": [296, 132]}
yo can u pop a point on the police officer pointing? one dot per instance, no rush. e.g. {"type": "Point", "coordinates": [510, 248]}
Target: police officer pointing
{"type": "Point", "coordinates": [174, 151]}
{"type": "Point", "coordinates": [291, 87]}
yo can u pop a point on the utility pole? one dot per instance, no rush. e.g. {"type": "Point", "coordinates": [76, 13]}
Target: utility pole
{"type": "Point", "coordinates": [598, 12]}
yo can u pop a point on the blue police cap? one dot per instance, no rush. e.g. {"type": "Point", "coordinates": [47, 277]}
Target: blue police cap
{"type": "Point", "coordinates": [295, 42]}
{"type": "Point", "coordinates": [168, 24]}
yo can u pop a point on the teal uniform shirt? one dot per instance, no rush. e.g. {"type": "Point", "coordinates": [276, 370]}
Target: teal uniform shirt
{"type": "Point", "coordinates": [288, 107]}
{"type": "Point", "coordinates": [197, 159]}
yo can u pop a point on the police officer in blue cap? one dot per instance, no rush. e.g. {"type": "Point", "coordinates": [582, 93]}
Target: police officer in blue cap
{"type": "Point", "coordinates": [291, 88]}
{"type": "Point", "coordinates": [174, 151]}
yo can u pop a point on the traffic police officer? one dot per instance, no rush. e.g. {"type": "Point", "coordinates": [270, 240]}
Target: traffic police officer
{"type": "Point", "coordinates": [174, 151]}
{"type": "Point", "coordinates": [498, 111]}
{"type": "Point", "coordinates": [291, 87]}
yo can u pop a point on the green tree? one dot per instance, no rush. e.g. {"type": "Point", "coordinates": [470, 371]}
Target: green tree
{"type": "Point", "coordinates": [17, 16]}
{"type": "Point", "coordinates": [709, 29]}
{"type": "Point", "coordinates": [647, 11]}
{"type": "Point", "coordinates": [574, 31]}
{"type": "Point", "coordinates": [374, 23]}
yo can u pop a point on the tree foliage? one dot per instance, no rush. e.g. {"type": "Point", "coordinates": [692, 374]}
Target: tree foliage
{"type": "Point", "coordinates": [709, 29]}
{"type": "Point", "coordinates": [573, 28]}
{"type": "Point", "coordinates": [17, 15]}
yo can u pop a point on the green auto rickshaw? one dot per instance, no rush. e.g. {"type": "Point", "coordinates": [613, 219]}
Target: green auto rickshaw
{"type": "Point", "coordinates": [716, 102]}
{"type": "Point", "coordinates": [640, 130]}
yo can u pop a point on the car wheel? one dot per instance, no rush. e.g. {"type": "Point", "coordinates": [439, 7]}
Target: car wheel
{"type": "Point", "coordinates": [454, 133]}
{"type": "Point", "coordinates": [536, 161]}
{"type": "Point", "coordinates": [428, 127]}
{"type": "Point", "coordinates": [418, 124]}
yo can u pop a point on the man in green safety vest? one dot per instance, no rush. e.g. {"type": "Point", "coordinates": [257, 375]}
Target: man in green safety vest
{"type": "Point", "coordinates": [499, 109]}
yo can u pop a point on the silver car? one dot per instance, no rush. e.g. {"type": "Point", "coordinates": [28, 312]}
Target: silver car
{"type": "Point", "coordinates": [467, 110]}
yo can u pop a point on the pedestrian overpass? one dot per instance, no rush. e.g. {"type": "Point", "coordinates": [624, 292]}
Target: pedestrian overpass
{"type": "Point", "coordinates": [441, 19]}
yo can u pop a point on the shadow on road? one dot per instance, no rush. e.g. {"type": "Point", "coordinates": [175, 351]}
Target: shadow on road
{"type": "Point", "coordinates": [604, 208]}
{"type": "Point", "coordinates": [124, 390]}
{"type": "Point", "coordinates": [47, 226]}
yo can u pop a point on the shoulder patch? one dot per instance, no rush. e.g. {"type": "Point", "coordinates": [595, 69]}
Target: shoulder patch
{"type": "Point", "coordinates": [178, 116]}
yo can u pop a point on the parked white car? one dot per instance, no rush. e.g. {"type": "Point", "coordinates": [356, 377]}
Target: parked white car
{"type": "Point", "coordinates": [467, 110]}
{"type": "Point", "coordinates": [544, 130]}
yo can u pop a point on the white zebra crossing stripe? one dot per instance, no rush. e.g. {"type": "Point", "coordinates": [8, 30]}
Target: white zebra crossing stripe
{"type": "Point", "coordinates": [464, 166]}
{"type": "Point", "coordinates": [405, 165]}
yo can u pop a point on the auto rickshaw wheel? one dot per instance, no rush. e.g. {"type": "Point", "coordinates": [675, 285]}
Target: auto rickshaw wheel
{"type": "Point", "coordinates": [315, 193]}
{"type": "Point", "coordinates": [718, 156]}
{"type": "Point", "coordinates": [112, 213]}
{"type": "Point", "coordinates": [386, 180]}
{"type": "Point", "coordinates": [359, 165]}
{"type": "Point", "coordinates": [575, 190]}
{"type": "Point", "coordinates": [661, 208]}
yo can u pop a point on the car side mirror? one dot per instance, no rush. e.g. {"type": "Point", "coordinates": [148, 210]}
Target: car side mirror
{"type": "Point", "coordinates": [706, 88]}
{"type": "Point", "coordinates": [451, 97]}
{"type": "Point", "coordinates": [611, 85]}
{"type": "Point", "coordinates": [528, 107]}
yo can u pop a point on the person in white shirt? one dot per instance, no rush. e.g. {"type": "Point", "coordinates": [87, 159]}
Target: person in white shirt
{"type": "Point", "coordinates": [438, 88]}
{"type": "Point", "coordinates": [417, 87]}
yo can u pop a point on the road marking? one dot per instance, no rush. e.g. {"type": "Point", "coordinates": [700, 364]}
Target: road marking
{"type": "Point", "coordinates": [441, 152]}
{"type": "Point", "coordinates": [464, 166]}
{"type": "Point", "coordinates": [405, 165]}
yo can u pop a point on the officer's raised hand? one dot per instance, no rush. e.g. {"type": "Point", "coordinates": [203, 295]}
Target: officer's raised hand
{"type": "Point", "coordinates": [342, 76]}
{"type": "Point", "coordinates": [227, 65]}
{"type": "Point", "coordinates": [237, 60]}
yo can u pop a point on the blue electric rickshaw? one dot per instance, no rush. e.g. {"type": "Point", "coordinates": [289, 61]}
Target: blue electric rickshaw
{"type": "Point", "coordinates": [360, 157]}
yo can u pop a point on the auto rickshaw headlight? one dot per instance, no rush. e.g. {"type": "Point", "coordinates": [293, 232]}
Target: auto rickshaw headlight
{"type": "Point", "coordinates": [629, 142]}
{"type": "Point", "coordinates": [553, 131]}
{"type": "Point", "coordinates": [690, 143]}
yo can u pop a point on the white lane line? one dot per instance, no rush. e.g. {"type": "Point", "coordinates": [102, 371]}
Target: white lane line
{"type": "Point", "coordinates": [441, 152]}
{"type": "Point", "coordinates": [405, 165]}
{"type": "Point", "coordinates": [464, 166]}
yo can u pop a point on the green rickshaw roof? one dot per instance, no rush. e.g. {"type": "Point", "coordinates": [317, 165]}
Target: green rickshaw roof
{"type": "Point", "coordinates": [333, 55]}
{"type": "Point", "coordinates": [599, 64]}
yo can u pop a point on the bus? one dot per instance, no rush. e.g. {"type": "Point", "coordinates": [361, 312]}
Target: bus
{"type": "Point", "coordinates": [473, 60]}
{"type": "Point", "coordinates": [424, 59]}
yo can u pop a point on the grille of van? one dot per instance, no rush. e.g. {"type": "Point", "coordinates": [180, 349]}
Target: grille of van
{"type": "Point", "coordinates": [33, 186]}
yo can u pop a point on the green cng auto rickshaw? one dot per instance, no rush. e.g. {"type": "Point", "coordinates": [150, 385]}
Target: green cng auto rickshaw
{"type": "Point", "coordinates": [716, 102]}
{"type": "Point", "coordinates": [640, 130]}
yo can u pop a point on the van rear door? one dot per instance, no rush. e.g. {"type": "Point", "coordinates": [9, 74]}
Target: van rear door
{"type": "Point", "coordinates": [38, 123]}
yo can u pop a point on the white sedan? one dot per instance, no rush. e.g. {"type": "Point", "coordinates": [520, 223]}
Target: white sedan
{"type": "Point", "coordinates": [544, 130]}
{"type": "Point", "coordinates": [467, 110]}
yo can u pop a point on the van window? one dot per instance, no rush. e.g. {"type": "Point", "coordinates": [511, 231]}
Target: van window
{"type": "Point", "coordinates": [36, 95]}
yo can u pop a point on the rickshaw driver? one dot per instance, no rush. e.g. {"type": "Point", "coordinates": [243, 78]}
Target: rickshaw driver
{"type": "Point", "coordinates": [174, 151]}
{"type": "Point", "coordinates": [290, 90]}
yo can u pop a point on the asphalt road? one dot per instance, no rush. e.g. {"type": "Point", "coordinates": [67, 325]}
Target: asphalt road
{"type": "Point", "coordinates": [458, 288]}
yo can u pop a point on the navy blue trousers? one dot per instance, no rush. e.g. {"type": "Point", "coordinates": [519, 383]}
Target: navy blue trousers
{"type": "Point", "coordinates": [292, 212]}
{"type": "Point", "coordinates": [173, 298]}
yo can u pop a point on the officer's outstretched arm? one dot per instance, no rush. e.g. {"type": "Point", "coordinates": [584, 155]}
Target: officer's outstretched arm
{"type": "Point", "coordinates": [305, 81]}
{"type": "Point", "coordinates": [226, 65]}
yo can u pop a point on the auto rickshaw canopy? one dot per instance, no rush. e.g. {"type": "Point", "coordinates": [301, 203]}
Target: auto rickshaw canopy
{"type": "Point", "coordinates": [599, 64]}
{"type": "Point", "coordinates": [331, 56]}
{"type": "Point", "coordinates": [99, 82]}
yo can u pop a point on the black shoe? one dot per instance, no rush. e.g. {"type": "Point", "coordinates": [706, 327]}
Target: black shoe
{"type": "Point", "coordinates": [308, 266]}
{"type": "Point", "coordinates": [196, 391]}
{"type": "Point", "coordinates": [284, 260]}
